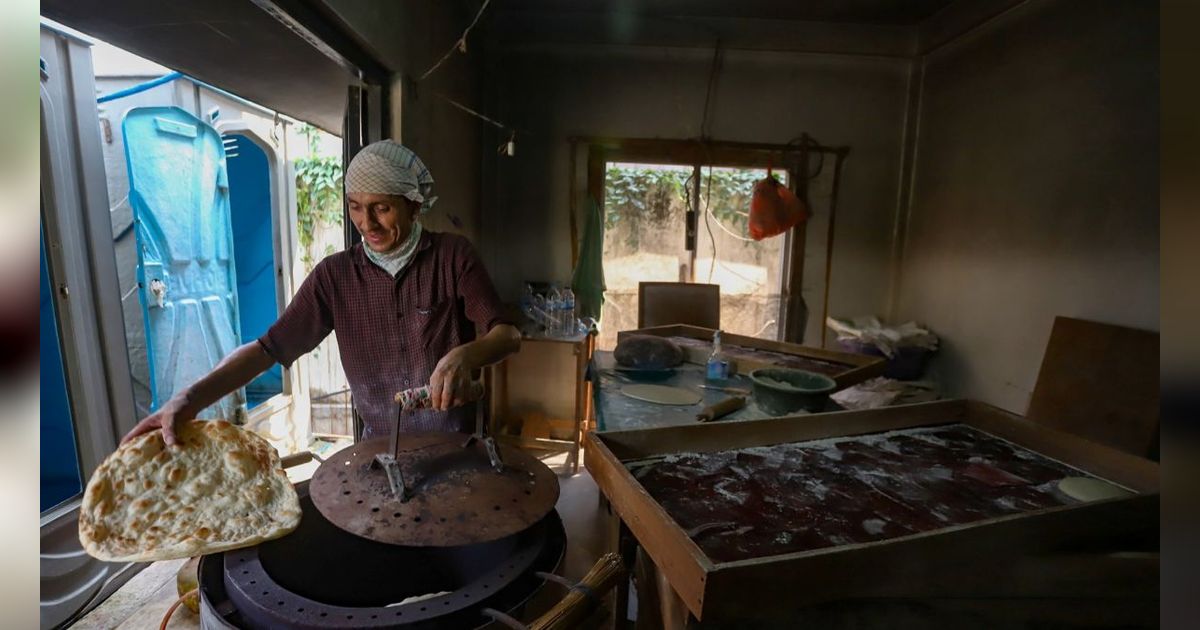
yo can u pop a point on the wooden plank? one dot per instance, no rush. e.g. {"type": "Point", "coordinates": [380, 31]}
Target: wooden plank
{"type": "Point", "coordinates": [1100, 382]}
{"type": "Point", "coordinates": [702, 152]}
{"type": "Point", "coordinates": [144, 598]}
{"type": "Point", "coordinates": [672, 551]}
{"type": "Point", "coordinates": [1136, 473]}
{"type": "Point", "coordinates": [711, 437]}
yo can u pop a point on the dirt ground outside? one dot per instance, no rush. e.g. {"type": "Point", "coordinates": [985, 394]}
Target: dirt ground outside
{"type": "Point", "coordinates": [644, 242]}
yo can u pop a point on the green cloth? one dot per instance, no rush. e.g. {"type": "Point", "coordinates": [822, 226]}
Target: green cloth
{"type": "Point", "coordinates": [588, 280]}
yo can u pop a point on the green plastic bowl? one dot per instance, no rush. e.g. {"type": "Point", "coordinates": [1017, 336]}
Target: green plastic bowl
{"type": "Point", "coordinates": [781, 391]}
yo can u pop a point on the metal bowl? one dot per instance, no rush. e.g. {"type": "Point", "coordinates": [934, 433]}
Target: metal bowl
{"type": "Point", "coordinates": [781, 391]}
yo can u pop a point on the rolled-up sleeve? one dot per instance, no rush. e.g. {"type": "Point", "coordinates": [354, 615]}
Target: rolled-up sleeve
{"type": "Point", "coordinates": [480, 301]}
{"type": "Point", "coordinates": [305, 322]}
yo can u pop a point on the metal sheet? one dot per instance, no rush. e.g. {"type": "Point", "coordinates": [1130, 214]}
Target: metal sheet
{"type": "Point", "coordinates": [457, 498]}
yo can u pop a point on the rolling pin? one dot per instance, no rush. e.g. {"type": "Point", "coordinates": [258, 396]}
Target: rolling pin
{"type": "Point", "coordinates": [721, 409]}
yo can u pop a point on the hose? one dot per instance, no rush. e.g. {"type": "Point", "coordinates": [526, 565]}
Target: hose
{"type": "Point", "coordinates": [171, 611]}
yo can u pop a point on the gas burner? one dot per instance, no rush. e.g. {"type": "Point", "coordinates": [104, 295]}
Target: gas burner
{"type": "Point", "coordinates": [319, 576]}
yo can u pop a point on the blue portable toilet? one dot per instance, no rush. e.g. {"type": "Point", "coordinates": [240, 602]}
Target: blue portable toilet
{"type": "Point", "coordinates": [179, 192]}
{"type": "Point", "coordinates": [254, 245]}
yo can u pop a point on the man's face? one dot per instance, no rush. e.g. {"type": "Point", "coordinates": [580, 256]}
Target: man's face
{"type": "Point", "coordinates": [383, 220]}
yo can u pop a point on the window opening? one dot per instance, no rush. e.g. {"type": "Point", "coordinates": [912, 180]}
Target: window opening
{"type": "Point", "coordinates": [645, 213]}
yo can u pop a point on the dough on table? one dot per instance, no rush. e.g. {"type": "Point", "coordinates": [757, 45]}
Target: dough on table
{"type": "Point", "coordinates": [661, 394]}
{"type": "Point", "coordinates": [1089, 489]}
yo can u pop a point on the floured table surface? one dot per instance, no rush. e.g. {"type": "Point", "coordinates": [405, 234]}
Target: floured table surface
{"type": "Point", "coordinates": [457, 498]}
{"type": "Point", "coordinates": [771, 500]}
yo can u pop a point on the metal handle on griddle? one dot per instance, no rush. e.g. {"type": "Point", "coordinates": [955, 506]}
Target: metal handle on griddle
{"type": "Point", "coordinates": [407, 401]}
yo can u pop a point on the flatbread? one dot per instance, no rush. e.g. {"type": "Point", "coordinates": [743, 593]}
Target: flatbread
{"type": "Point", "coordinates": [1088, 489]}
{"type": "Point", "coordinates": [222, 488]}
{"type": "Point", "coordinates": [661, 394]}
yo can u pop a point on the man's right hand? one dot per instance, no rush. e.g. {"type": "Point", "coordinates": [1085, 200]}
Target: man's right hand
{"type": "Point", "coordinates": [167, 418]}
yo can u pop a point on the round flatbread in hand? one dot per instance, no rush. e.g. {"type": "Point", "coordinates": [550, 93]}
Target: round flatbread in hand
{"type": "Point", "coordinates": [222, 488]}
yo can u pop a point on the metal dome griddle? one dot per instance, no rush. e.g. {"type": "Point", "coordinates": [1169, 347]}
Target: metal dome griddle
{"type": "Point", "coordinates": [320, 577]}
{"type": "Point", "coordinates": [455, 495]}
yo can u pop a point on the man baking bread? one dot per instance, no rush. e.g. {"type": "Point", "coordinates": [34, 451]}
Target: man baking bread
{"type": "Point", "coordinates": [405, 304]}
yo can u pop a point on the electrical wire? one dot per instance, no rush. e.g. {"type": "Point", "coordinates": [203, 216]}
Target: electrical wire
{"type": "Point", "coordinates": [729, 231]}
{"type": "Point", "coordinates": [470, 111]}
{"type": "Point", "coordinates": [460, 44]}
{"type": "Point", "coordinates": [171, 611]}
{"type": "Point", "coordinates": [708, 94]}
{"type": "Point", "coordinates": [707, 212]}
{"type": "Point", "coordinates": [712, 239]}
{"type": "Point", "coordinates": [812, 144]}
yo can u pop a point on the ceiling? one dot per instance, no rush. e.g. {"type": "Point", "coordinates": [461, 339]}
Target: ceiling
{"type": "Point", "coordinates": [890, 12]}
{"type": "Point", "coordinates": [231, 44]}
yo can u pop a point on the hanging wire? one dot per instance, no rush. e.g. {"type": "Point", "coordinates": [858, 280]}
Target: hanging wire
{"type": "Point", "coordinates": [459, 45]}
{"type": "Point", "coordinates": [470, 111]}
{"type": "Point", "coordinates": [714, 68]}
{"type": "Point", "coordinates": [712, 239]}
{"type": "Point", "coordinates": [812, 144]}
{"type": "Point", "coordinates": [707, 224]}
{"type": "Point", "coordinates": [729, 231]}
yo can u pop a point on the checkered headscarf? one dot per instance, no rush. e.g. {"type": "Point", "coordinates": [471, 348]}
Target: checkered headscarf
{"type": "Point", "coordinates": [389, 168]}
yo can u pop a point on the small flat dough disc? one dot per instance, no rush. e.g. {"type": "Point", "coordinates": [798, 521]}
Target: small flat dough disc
{"type": "Point", "coordinates": [1088, 489]}
{"type": "Point", "coordinates": [661, 394]}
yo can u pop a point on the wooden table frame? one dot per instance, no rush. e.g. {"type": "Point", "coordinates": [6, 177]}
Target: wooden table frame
{"type": "Point", "coordinates": [940, 563]}
{"type": "Point", "coordinates": [497, 384]}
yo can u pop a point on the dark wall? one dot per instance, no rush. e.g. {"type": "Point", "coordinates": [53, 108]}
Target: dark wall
{"type": "Point", "coordinates": [556, 91]}
{"type": "Point", "coordinates": [409, 37]}
{"type": "Point", "coordinates": [1035, 190]}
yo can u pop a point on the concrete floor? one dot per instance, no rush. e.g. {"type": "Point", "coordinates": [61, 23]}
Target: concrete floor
{"type": "Point", "coordinates": [579, 507]}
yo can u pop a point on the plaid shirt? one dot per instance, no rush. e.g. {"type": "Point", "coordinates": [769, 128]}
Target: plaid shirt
{"type": "Point", "coordinates": [391, 332]}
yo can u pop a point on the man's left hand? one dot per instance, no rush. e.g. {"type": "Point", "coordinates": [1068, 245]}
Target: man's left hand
{"type": "Point", "coordinates": [450, 383]}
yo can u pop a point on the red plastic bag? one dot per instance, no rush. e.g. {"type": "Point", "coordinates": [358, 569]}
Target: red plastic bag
{"type": "Point", "coordinates": [774, 209]}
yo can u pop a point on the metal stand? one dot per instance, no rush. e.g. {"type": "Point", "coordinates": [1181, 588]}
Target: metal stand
{"type": "Point", "coordinates": [390, 464]}
{"type": "Point", "coordinates": [489, 443]}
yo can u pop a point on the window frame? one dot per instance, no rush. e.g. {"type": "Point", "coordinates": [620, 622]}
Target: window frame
{"type": "Point", "coordinates": [793, 313]}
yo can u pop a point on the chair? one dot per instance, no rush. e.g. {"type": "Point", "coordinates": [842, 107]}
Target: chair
{"type": "Point", "coordinates": [666, 303]}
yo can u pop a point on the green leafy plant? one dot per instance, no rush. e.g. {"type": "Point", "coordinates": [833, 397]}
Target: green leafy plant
{"type": "Point", "coordinates": [318, 192]}
{"type": "Point", "coordinates": [642, 197]}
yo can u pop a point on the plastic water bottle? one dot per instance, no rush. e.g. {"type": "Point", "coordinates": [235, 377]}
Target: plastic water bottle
{"type": "Point", "coordinates": [554, 310]}
{"type": "Point", "coordinates": [717, 368]}
{"type": "Point", "coordinates": [527, 301]}
{"type": "Point", "coordinates": [539, 311]}
{"type": "Point", "coordinates": [569, 325]}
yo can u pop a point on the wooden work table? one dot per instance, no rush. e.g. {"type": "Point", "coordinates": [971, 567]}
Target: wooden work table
{"type": "Point", "coordinates": [1082, 564]}
{"type": "Point", "coordinates": [617, 412]}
